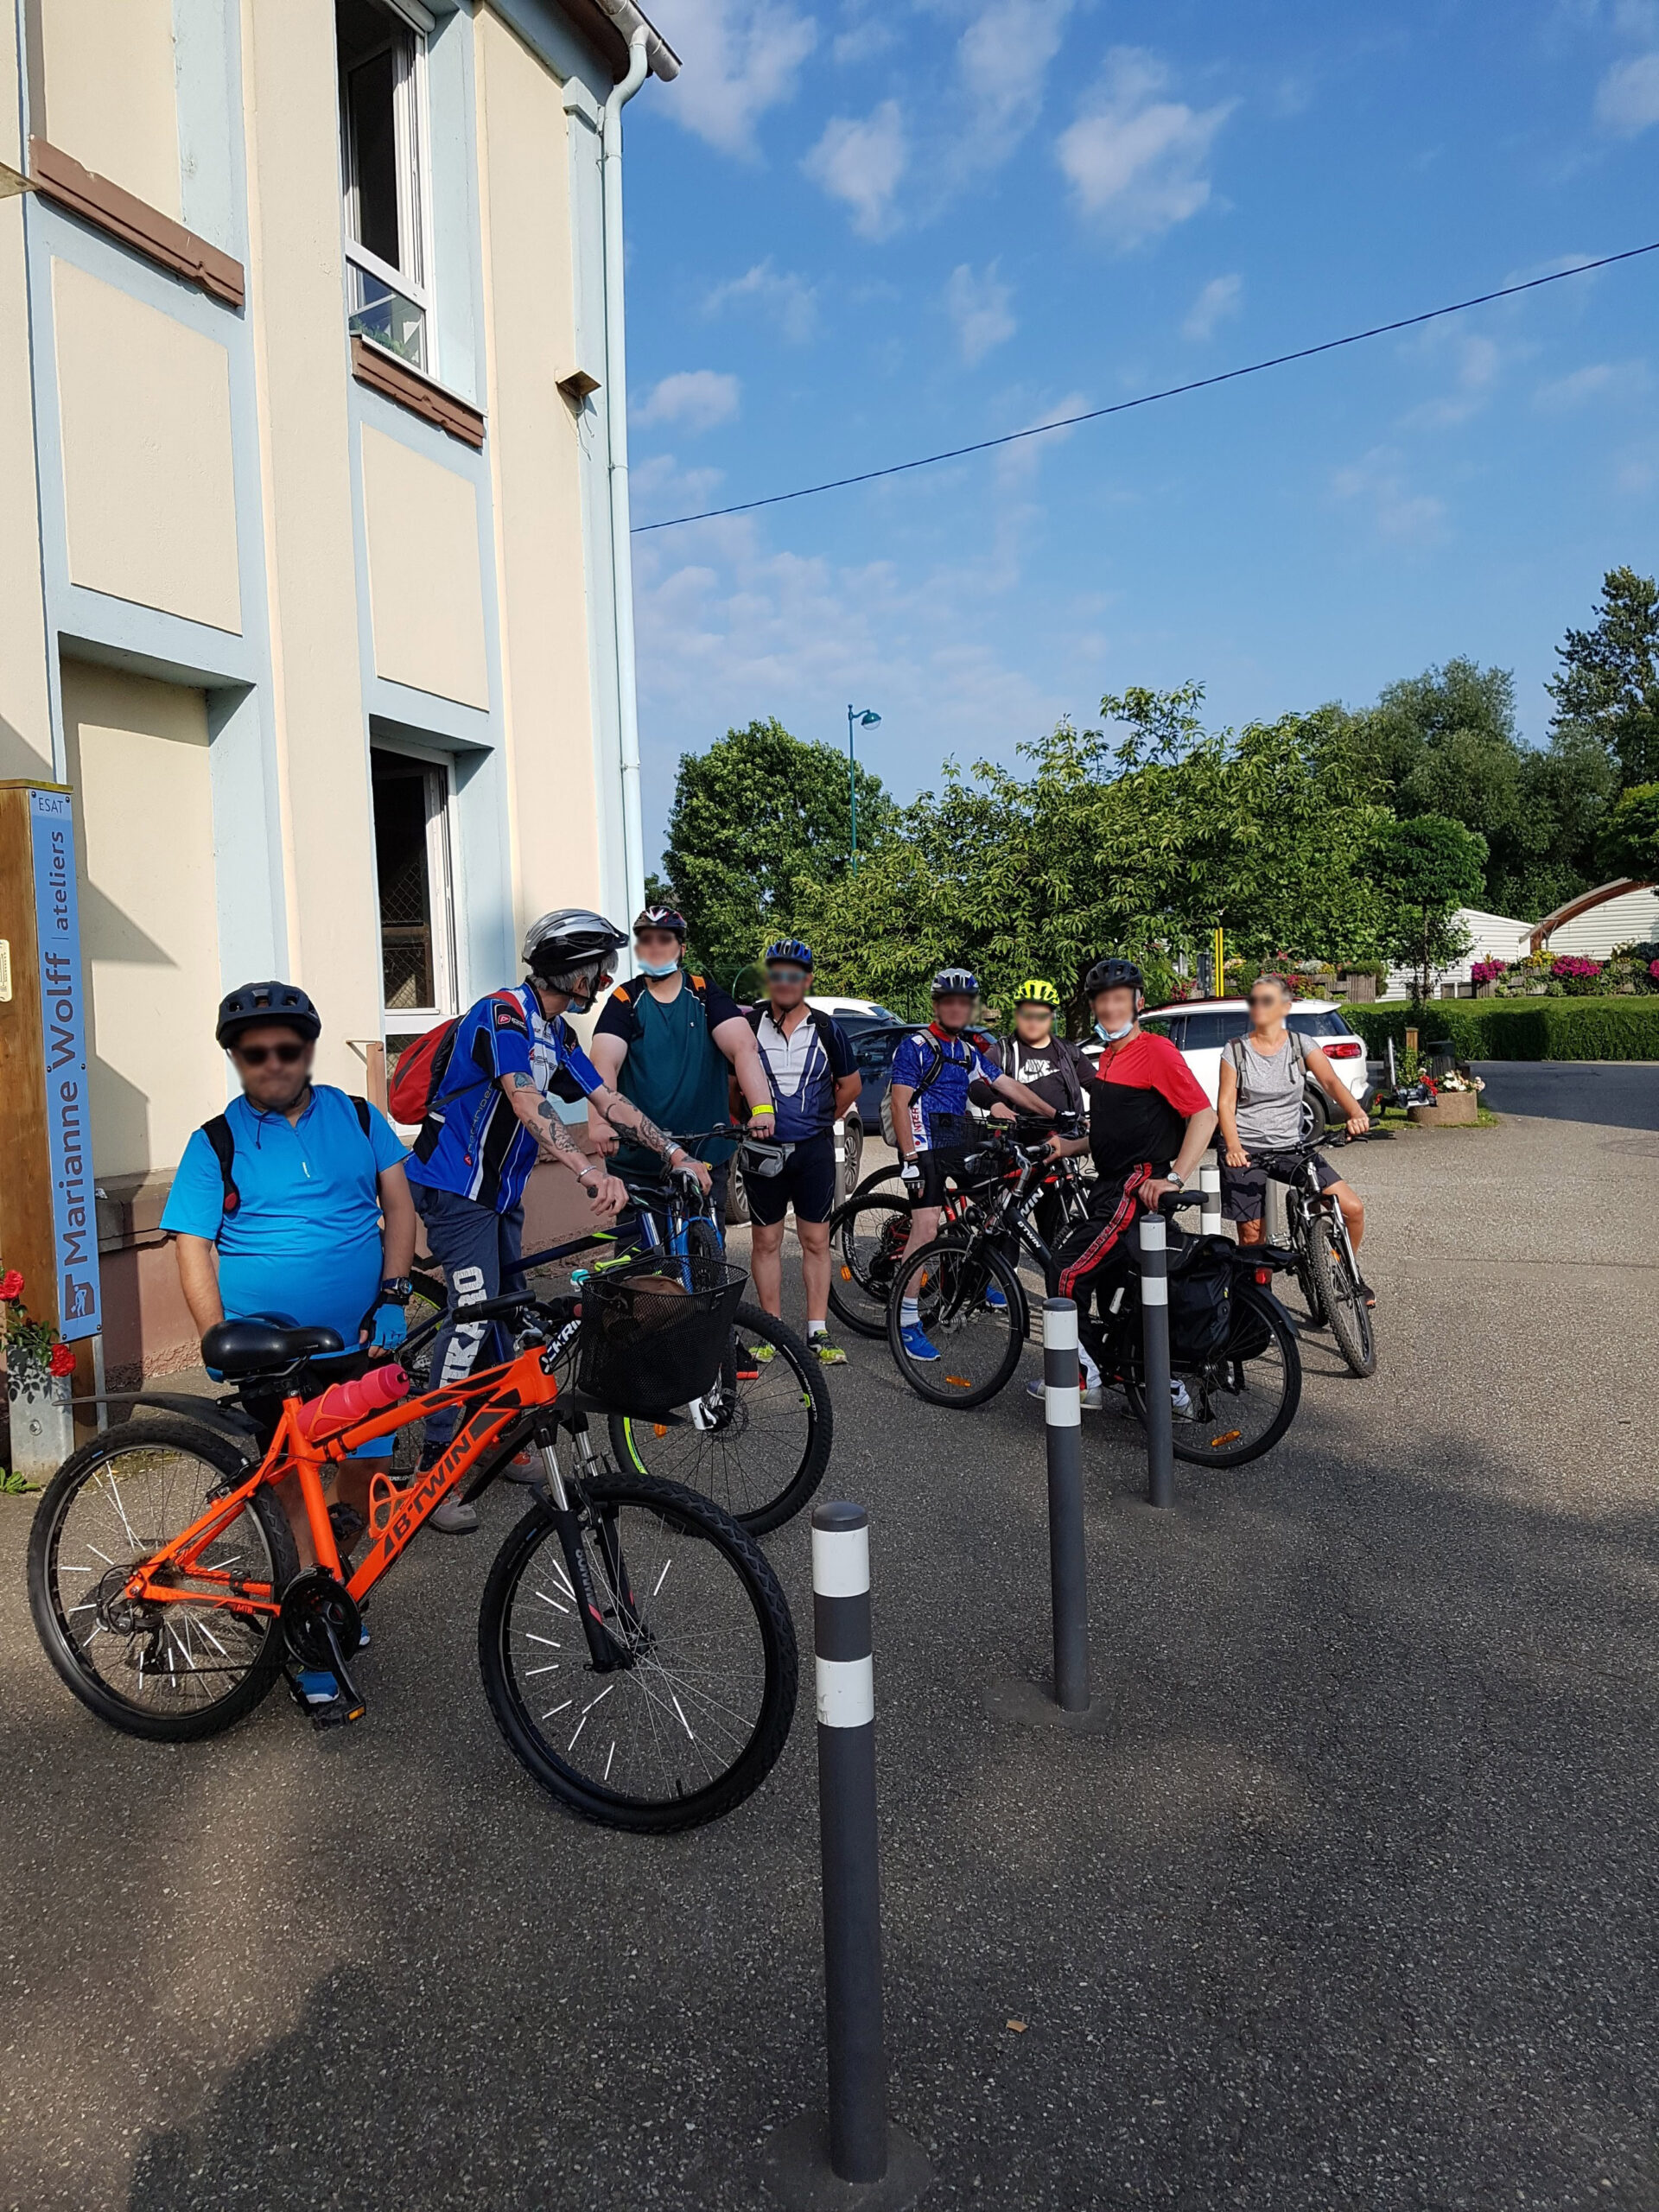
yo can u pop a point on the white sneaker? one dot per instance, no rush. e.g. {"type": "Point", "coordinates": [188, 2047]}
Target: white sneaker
{"type": "Point", "coordinates": [1179, 1403]}
{"type": "Point", "coordinates": [1089, 1395]}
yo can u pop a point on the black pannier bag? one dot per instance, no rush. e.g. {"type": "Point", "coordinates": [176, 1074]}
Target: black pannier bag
{"type": "Point", "coordinates": [1201, 1308]}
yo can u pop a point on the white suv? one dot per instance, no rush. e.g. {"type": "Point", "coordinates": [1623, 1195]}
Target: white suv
{"type": "Point", "coordinates": [1200, 1028]}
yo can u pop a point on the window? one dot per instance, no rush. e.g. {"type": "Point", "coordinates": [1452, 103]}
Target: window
{"type": "Point", "coordinates": [1208, 1032]}
{"type": "Point", "coordinates": [1171, 1028]}
{"type": "Point", "coordinates": [411, 851]}
{"type": "Point", "coordinates": [383, 174]}
{"type": "Point", "coordinates": [1317, 1024]}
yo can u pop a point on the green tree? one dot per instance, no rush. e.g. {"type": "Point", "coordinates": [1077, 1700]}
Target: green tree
{"type": "Point", "coordinates": [1609, 680]}
{"type": "Point", "coordinates": [1445, 742]}
{"type": "Point", "coordinates": [1629, 837]}
{"type": "Point", "coordinates": [1425, 868]}
{"type": "Point", "coordinates": [754, 812]}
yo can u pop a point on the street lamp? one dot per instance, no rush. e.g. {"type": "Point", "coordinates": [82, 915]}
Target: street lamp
{"type": "Point", "coordinates": [866, 719]}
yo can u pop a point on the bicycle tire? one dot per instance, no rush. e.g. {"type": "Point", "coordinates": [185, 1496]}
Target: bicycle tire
{"type": "Point", "coordinates": [635, 1441]}
{"type": "Point", "coordinates": [1267, 1316]}
{"type": "Point", "coordinates": [1346, 1312]}
{"type": "Point", "coordinates": [684, 1513]}
{"type": "Point", "coordinates": [47, 1570]}
{"type": "Point", "coordinates": [702, 1239]}
{"type": "Point", "coordinates": [960, 1394]}
{"type": "Point", "coordinates": [871, 1283]}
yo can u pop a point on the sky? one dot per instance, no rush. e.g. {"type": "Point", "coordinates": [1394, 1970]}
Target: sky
{"type": "Point", "coordinates": [863, 229]}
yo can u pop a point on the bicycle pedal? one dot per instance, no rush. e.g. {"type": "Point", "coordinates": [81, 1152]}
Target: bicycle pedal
{"type": "Point", "coordinates": [338, 1714]}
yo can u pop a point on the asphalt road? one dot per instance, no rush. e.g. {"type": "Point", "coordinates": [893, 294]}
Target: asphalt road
{"type": "Point", "coordinates": [1609, 1093]}
{"type": "Point", "coordinates": [1349, 1904]}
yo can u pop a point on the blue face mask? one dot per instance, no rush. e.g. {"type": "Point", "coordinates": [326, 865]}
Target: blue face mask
{"type": "Point", "coordinates": [1112, 1036]}
{"type": "Point", "coordinates": [658, 968]}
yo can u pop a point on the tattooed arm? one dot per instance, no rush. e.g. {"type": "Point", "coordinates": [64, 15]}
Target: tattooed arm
{"type": "Point", "coordinates": [623, 1114]}
{"type": "Point", "coordinates": [556, 1140]}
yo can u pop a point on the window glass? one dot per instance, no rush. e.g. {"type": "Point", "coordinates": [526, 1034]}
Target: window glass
{"type": "Point", "coordinates": [1208, 1032]}
{"type": "Point", "coordinates": [1317, 1024]}
{"type": "Point", "coordinates": [370, 90]}
{"type": "Point", "coordinates": [383, 136]}
{"type": "Point", "coordinates": [412, 874]}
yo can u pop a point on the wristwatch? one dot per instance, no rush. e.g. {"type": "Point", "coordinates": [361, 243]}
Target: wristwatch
{"type": "Point", "coordinates": [397, 1290]}
{"type": "Point", "coordinates": [1179, 1182]}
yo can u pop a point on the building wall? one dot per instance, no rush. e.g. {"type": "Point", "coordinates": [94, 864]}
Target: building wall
{"type": "Point", "coordinates": [1633, 919]}
{"type": "Point", "coordinates": [231, 567]}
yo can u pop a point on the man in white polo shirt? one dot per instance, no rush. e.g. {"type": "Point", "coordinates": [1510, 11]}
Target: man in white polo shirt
{"type": "Point", "coordinates": [814, 1079]}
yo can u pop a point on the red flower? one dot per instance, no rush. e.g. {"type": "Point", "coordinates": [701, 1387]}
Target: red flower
{"type": "Point", "coordinates": [62, 1361]}
{"type": "Point", "coordinates": [11, 1287]}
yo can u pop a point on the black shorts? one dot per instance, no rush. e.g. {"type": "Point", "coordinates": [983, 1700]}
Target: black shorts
{"type": "Point", "coordinates": [806, 1181]}
{"type": "Point", "coordinates": [1243, 1189]}
{"type": "Point", "coordinates": [948, 1161]}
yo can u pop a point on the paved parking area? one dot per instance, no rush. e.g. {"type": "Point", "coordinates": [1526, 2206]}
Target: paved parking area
{"type": "Point", "coordinates": [1351, 1905]}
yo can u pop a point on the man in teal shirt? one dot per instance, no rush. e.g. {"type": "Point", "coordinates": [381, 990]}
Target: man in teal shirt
{"type": "Point", "coordinates": [669, 1041]}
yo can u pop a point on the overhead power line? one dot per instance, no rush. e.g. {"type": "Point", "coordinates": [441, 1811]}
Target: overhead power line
{"type": "Point", "coordinates": [1148, 398]}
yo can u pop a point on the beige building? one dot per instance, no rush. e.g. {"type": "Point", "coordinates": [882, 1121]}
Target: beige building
{"type": "Point", "coordinates": [313, 578]}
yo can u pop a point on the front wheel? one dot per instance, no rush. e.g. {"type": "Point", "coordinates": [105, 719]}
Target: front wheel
{"type": "Point", "coordinates": [1345, 1309]}
{"type": "Point", "coordinates": [758, 1444]}
{"type": "Point", "coordinates": [867, 1237]}
{"type": "Point", "coordinates": [694, 1714]}
{"type": "Point", "coordinates": [175, 1669]}
{"type": "Point", "coordinates": [1233, 1408]}
{"type": "Point", "coordinates": [969, 1327]}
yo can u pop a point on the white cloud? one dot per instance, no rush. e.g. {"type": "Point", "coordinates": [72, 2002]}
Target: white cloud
{"type": "Point", "coordinates": [1002, 60]}
{"type": "Point", "coordinates": [978, 306]}
{"type": "Point", "coordinates": [659, 487]}
{"type": "Point", "coordinates": [1136, 161]}
{"type": "Point", "coordinates": [1018, 464]}
{"type": "Point", "coordinates": [1627, 98]}
{"type": "Point", "coordinates": [698, 398]}
{"type": "Point", "coordinates": [741, 57]}
{"type": "Point", "coordinates": [1604, 380]}
{"type": "Point", "coordinates": [1477, 362]}
{"type": "Point", "coordinates": [780, 292]}
{"type": "Point", "coordinates": [1376, 482]}
{"type": "Point", "coordinates": [863, 41]}
{"type": "Point", "coordinates": [1218, 299]}
{"type": "Point", "coordinates": [862, 163]}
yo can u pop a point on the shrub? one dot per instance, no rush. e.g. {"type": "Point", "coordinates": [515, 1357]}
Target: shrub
{"type": "Point", "coordinates": [1527, 1029]}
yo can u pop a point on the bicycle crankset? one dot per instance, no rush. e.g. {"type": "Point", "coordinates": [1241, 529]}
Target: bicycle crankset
{"type": "Point", "coordinates": [321, 1623]}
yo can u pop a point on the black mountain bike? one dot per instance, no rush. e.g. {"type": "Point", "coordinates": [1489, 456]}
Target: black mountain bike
{"type": "Point", "coordinates": [758, 1442]}
{"type": "Point", "coordinates": [1234, 1365]}
{"type": "Point", "coordinates": [972, 1308]}
{"type": "Point", "coordinates": [1326, 1269]}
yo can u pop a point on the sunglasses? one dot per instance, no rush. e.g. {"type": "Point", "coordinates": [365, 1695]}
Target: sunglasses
{"type": "Point", "coordinates": [1263, 998]}
{"type": "Point", "coordinates": [786, 975]}
{"type": "Point", "coordinates": [255, 1056]}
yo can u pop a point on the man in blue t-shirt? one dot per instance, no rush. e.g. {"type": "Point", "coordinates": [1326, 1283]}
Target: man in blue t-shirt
{"type": "Point", "coordinates": [490, 1119]}
{"type": "Point", "coordinates": [932, 1072]}
{"type": "Point", "coordinates": [814, 1078]}
{"type": "Point", "coordinates": [301, 1211]}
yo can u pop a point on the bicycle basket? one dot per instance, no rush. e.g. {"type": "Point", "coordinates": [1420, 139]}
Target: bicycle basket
{"type": "Point", "coordinates": [653, 1335]}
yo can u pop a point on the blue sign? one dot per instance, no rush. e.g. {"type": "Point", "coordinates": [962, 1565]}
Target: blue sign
{"type": "Point", "coordinates": [63, 1033]}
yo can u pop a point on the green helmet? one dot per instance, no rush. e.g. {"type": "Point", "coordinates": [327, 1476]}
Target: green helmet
{"type": "Point", "coordinates": [1035, 991]}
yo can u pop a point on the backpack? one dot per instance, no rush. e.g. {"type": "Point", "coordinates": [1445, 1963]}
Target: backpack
{"type": "Point", "coordinates": [217, 1133]}
{"type": "Point", "coordinates": [975, 1038]}
{"type": "Point", "coordinates": [422, 1068]}
{"type": "Point", "coordinates": [1233, 1050]}
{"type": "Point", "coordinates": [624, 994]}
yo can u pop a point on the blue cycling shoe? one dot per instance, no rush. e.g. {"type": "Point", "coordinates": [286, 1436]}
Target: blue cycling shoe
{"type": "Point", "coordinates": [913, 1337]}
{"type": "Point", "coordinates": [317, 1687]}
{"type": "Point", "coordinates": [996, 1299]}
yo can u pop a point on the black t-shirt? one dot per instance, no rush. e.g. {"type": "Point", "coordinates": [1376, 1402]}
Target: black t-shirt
{"type": "Point", "coordinates": [1140, 1100]}
{"type": "Point", "coordinates": [1056, 1071]}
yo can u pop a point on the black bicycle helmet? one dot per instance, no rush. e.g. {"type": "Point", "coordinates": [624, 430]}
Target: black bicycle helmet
{"type": "Point", "coordinates": [250, 1004]}
{"type": "Point", "coordinates": [660, 918]}
{"type": "Point", "coordinates": [789, 948]}
{"type": "Point", "coordinates": [569, 938]}
{"type": "Point", "coordinates": [954, 983]}
{"type": "Point", "coordinates": [1113, 975]}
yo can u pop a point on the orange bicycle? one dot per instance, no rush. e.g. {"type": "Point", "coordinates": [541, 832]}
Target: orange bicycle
{"type": "Point", "coordinates": [636, 1648]}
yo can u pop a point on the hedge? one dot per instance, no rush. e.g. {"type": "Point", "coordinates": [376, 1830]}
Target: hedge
{"type": "Point", "coordinates": [1520, 1029]}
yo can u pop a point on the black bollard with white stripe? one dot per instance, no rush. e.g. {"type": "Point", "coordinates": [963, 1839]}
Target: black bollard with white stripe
{"type": "Point", "coordinates": [852, 1900]}
{"type": "Point", "coordinates": [861, 2159]}
{"type": "Point", "coordinates": [1063, 1431]}
{"type": "Point", "coordinates": [1210, 1184]}
{"type": "Point", "coordinates": [1154, 1339]}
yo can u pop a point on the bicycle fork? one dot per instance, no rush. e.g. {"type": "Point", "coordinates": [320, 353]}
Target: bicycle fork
{"type": "Point", "coordinates": [605, 1650]}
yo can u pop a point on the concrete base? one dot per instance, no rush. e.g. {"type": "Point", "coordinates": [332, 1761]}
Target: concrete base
{"type": "Point", "coordinates": [794, 2169]}
{"type": "Point", "coordinates": [1453, 1110]}
{"type": "Point", "coordinates": [1031, 1705]}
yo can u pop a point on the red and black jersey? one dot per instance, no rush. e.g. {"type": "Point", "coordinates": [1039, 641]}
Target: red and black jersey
{"type": "Point", "coordinates": [1140, 1098]}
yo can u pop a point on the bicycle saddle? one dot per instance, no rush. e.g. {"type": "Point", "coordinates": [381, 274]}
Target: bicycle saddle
{"type": "Point", "coordinates": [262, 1343]}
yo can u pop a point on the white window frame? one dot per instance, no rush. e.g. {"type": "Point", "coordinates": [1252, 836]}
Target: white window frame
{"type": "Point", "coordinates": [439, 783]}
{"type": "Point", "coordinates": [413, 144]}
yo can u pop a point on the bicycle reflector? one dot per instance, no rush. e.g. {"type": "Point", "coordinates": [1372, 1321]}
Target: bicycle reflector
{"type": "Point", "coordinates": [1264, 1274]}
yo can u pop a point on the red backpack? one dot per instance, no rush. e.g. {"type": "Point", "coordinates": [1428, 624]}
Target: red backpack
{"type": "Point", "coordinates": [422, 1067]}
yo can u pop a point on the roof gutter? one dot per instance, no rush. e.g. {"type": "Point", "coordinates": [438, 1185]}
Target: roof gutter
{"type": "Point", "coordinates": [660, 57]}
{"type": "Point", "coordinates": [616, 425]}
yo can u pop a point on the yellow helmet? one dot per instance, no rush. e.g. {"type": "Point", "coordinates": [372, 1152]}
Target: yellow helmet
{"type": "Point", "coordinates": [1038, 991]}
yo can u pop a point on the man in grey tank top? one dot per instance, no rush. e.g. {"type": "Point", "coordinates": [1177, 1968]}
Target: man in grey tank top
{"type": "Point", "coordinates": [1259, 1106]}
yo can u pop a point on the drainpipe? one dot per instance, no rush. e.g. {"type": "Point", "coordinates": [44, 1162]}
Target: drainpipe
{"type": "Point", "coordinates": [616, 418]}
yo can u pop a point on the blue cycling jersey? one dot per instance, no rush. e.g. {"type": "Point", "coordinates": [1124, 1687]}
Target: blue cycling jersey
{"type": "Point", "coordinates": [939, 1067]}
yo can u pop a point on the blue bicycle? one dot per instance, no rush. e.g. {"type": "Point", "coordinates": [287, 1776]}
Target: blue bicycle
{"type": "Point", "coordinates": [758, 1443]}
